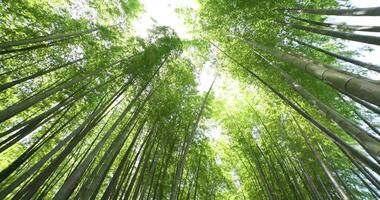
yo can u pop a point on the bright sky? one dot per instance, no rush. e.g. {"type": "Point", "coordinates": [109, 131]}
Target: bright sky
{"type": "Point", "coordinates": [163, 12]}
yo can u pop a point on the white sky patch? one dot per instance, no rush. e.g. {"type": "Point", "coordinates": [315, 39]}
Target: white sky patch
{"type": "Point", "coordinates": [218, 160]}
{"type": "Point", "coordinates": [226, 87]}
{"type": "Point", "coordinates": [206, 76]}
{"type": "Point", "coordinates": [365, 3]}
{"type": "Point", "coordinates": [81, 9]}
{"type": "Point", "coordinates": [163, 13]}
{"type": "Point", "coordinates": [255, 132]}
{"type": "Point", "coordinates": [76, 52]}
{"type": "Point", "coordinates": [231, 90]}
{"type": "Point", "coordinates": [213, 131]}
{"type": "Point", "coordinates": [235, 178]}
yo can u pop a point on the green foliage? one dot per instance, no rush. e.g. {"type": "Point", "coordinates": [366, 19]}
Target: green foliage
{"type": "Point", "coordinates": [98, 112]}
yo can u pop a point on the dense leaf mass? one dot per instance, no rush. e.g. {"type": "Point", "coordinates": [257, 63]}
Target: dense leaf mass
{"type": "Point", "coordinates": [91, 110]}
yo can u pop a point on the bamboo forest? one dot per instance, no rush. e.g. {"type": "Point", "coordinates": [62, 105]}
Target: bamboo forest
{"type": "Point", "coordinates": [190, 99]}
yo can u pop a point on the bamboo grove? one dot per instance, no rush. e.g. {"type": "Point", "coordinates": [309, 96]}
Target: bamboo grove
{"type": "Point", "coordinates": [91, 110]}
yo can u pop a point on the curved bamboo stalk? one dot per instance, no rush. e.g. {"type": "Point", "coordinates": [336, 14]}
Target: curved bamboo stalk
{"type": "Point", "coordinates": [359, 87]}
{"type": "Point", "coordinates": [325, 168]}
{"type": "Point", "coordinates": [354, 109]}
{"type": "Point", "coordinates": [189, 139]}
{"type": "Point", "coordinates": [367, 105]}
{"type": "Point", "coordinates": [32, 187]}
{"type": "Point", "coordinates": [338, 141]}
{"type": "Point", "coordinates": [23, 105]}
{"type": "Point", "coordinates": [343, 35]}
{"type": "Point", "coordinates": [4, 174]}
{"type": "Point", "coordinates": [372, 11]}
{"type": "Point", "coordinates": [369, 66]}
{"type": "Point", "coordinates": [73, 179]}
{"type": "Point", "coordinates": [33, 47]}
{"type": "Point", "coordinates": [370, 144]}
{"type": "Point", "coordinates": [16, 183]}
{"type": "Point", "coordinates": [53, 37]}
{"type": "Point", "coordinates": [339, 25]}
{"type": "Point", "coordinates": [7, 85]}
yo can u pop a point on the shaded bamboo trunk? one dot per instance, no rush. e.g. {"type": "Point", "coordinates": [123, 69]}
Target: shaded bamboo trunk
{"type": "Point", "coordinates": [277, 154]}
{"type": "Point", "coordinates": [339, 142]}
{"type": "Point", "coordinates": [255, 181]}
{"type": "Point", "coordinates": [27, 103]}
{"type": "Point", "coordinates": [364, 171]}
{"type": "Point", "coordinates": [21, 106]}
{"type": "Point", "coordinates": [7, 85]}
{"type": "Point", "coordinates": [372, 11]}
{"type": "Point", "coordinates": [16, 183]}
{"type": "Point", "coordinates": [130, 171]}
{"type": "Point", "coordinates": [370, 144]}
{"type": "Point", "coordinates": [290, 162]}
{"type": "Point", "coordinates": [6, 45]}
{"type": "Point", "coordinates": [132, 179]}
{"type": "Point", "coordinates": [34, 148]}
{"type": "Point", "coordinates": [110, 190]}
{"type": "Point", "coordinates": [158, 188]}
{"type": "Point", "coordinates": [24, 66]}
{"type": "Point", "coordinates": [90, 188]}
{"type": "Point", "coordinates": [310, 182]}
{"type": "Point", "coordinates": [196, 179]}
{"type": "Point", "coordinates": [294, 164]}
{"type": "Point", "coordinates": [324, 186]}
{"type": "Point", "coordinates": [261, 178]}
{"type": "Point", "coordinates": [13, 139]}
{"type": "Point", "coordinates": [342, 35]}
{"type": "Point", "coordinates": [359, 87]}
{"type": "Point", "coordinates": [292, 185]}
{"type": "Point", "coordinates": [31, 188]}
{"type": "Point", "coordinates": [271, 168]}
{"type": "Point", "coordinates": [290, 166]}
{"type": "Point", "coordinates": [37, 122]}
{"type": "Point", "coordinates": [261, 175]}
{"type": "Point", "coordinates": [367, 105]}
{"type": "Point", "coordinates": [369, 124]}
{"type": "Point", "coordinates": [272, 172]}
{"type": "Point", "coordinates": [73, 180]}
{"type": "Point", "coordinates": [325, 168]}
{"type": "Point", "coordinates": [151, 172]}
{"type": "Point", "coordinates": [10, 57]}
{"type": "Point", "coordinates": [33, 47]}
{"type": "Point", "coordinates": [93, 184]}
{"type": "Point", "coordinates": [74, 97]}
{"type": "Point", "coordinates": [61, 173]}
{"type": "Point", "coordinates": [339, 26]}
{"type": "Point", "coordinates": [142, 174]}
{"type": "Point", "coordinates": [350, 60]}
{"type": "Point", "coordinates": [373, 192]}
{"type": "Point", "coordinates": [153, 175]}
{"type": "Point", "coordinates": [183, 156]}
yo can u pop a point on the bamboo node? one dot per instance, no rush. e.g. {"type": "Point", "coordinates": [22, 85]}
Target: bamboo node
{"type": "Point", "coordinates": [348, 81]}
{"type": "Point", "coordinates": [323, 73]}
